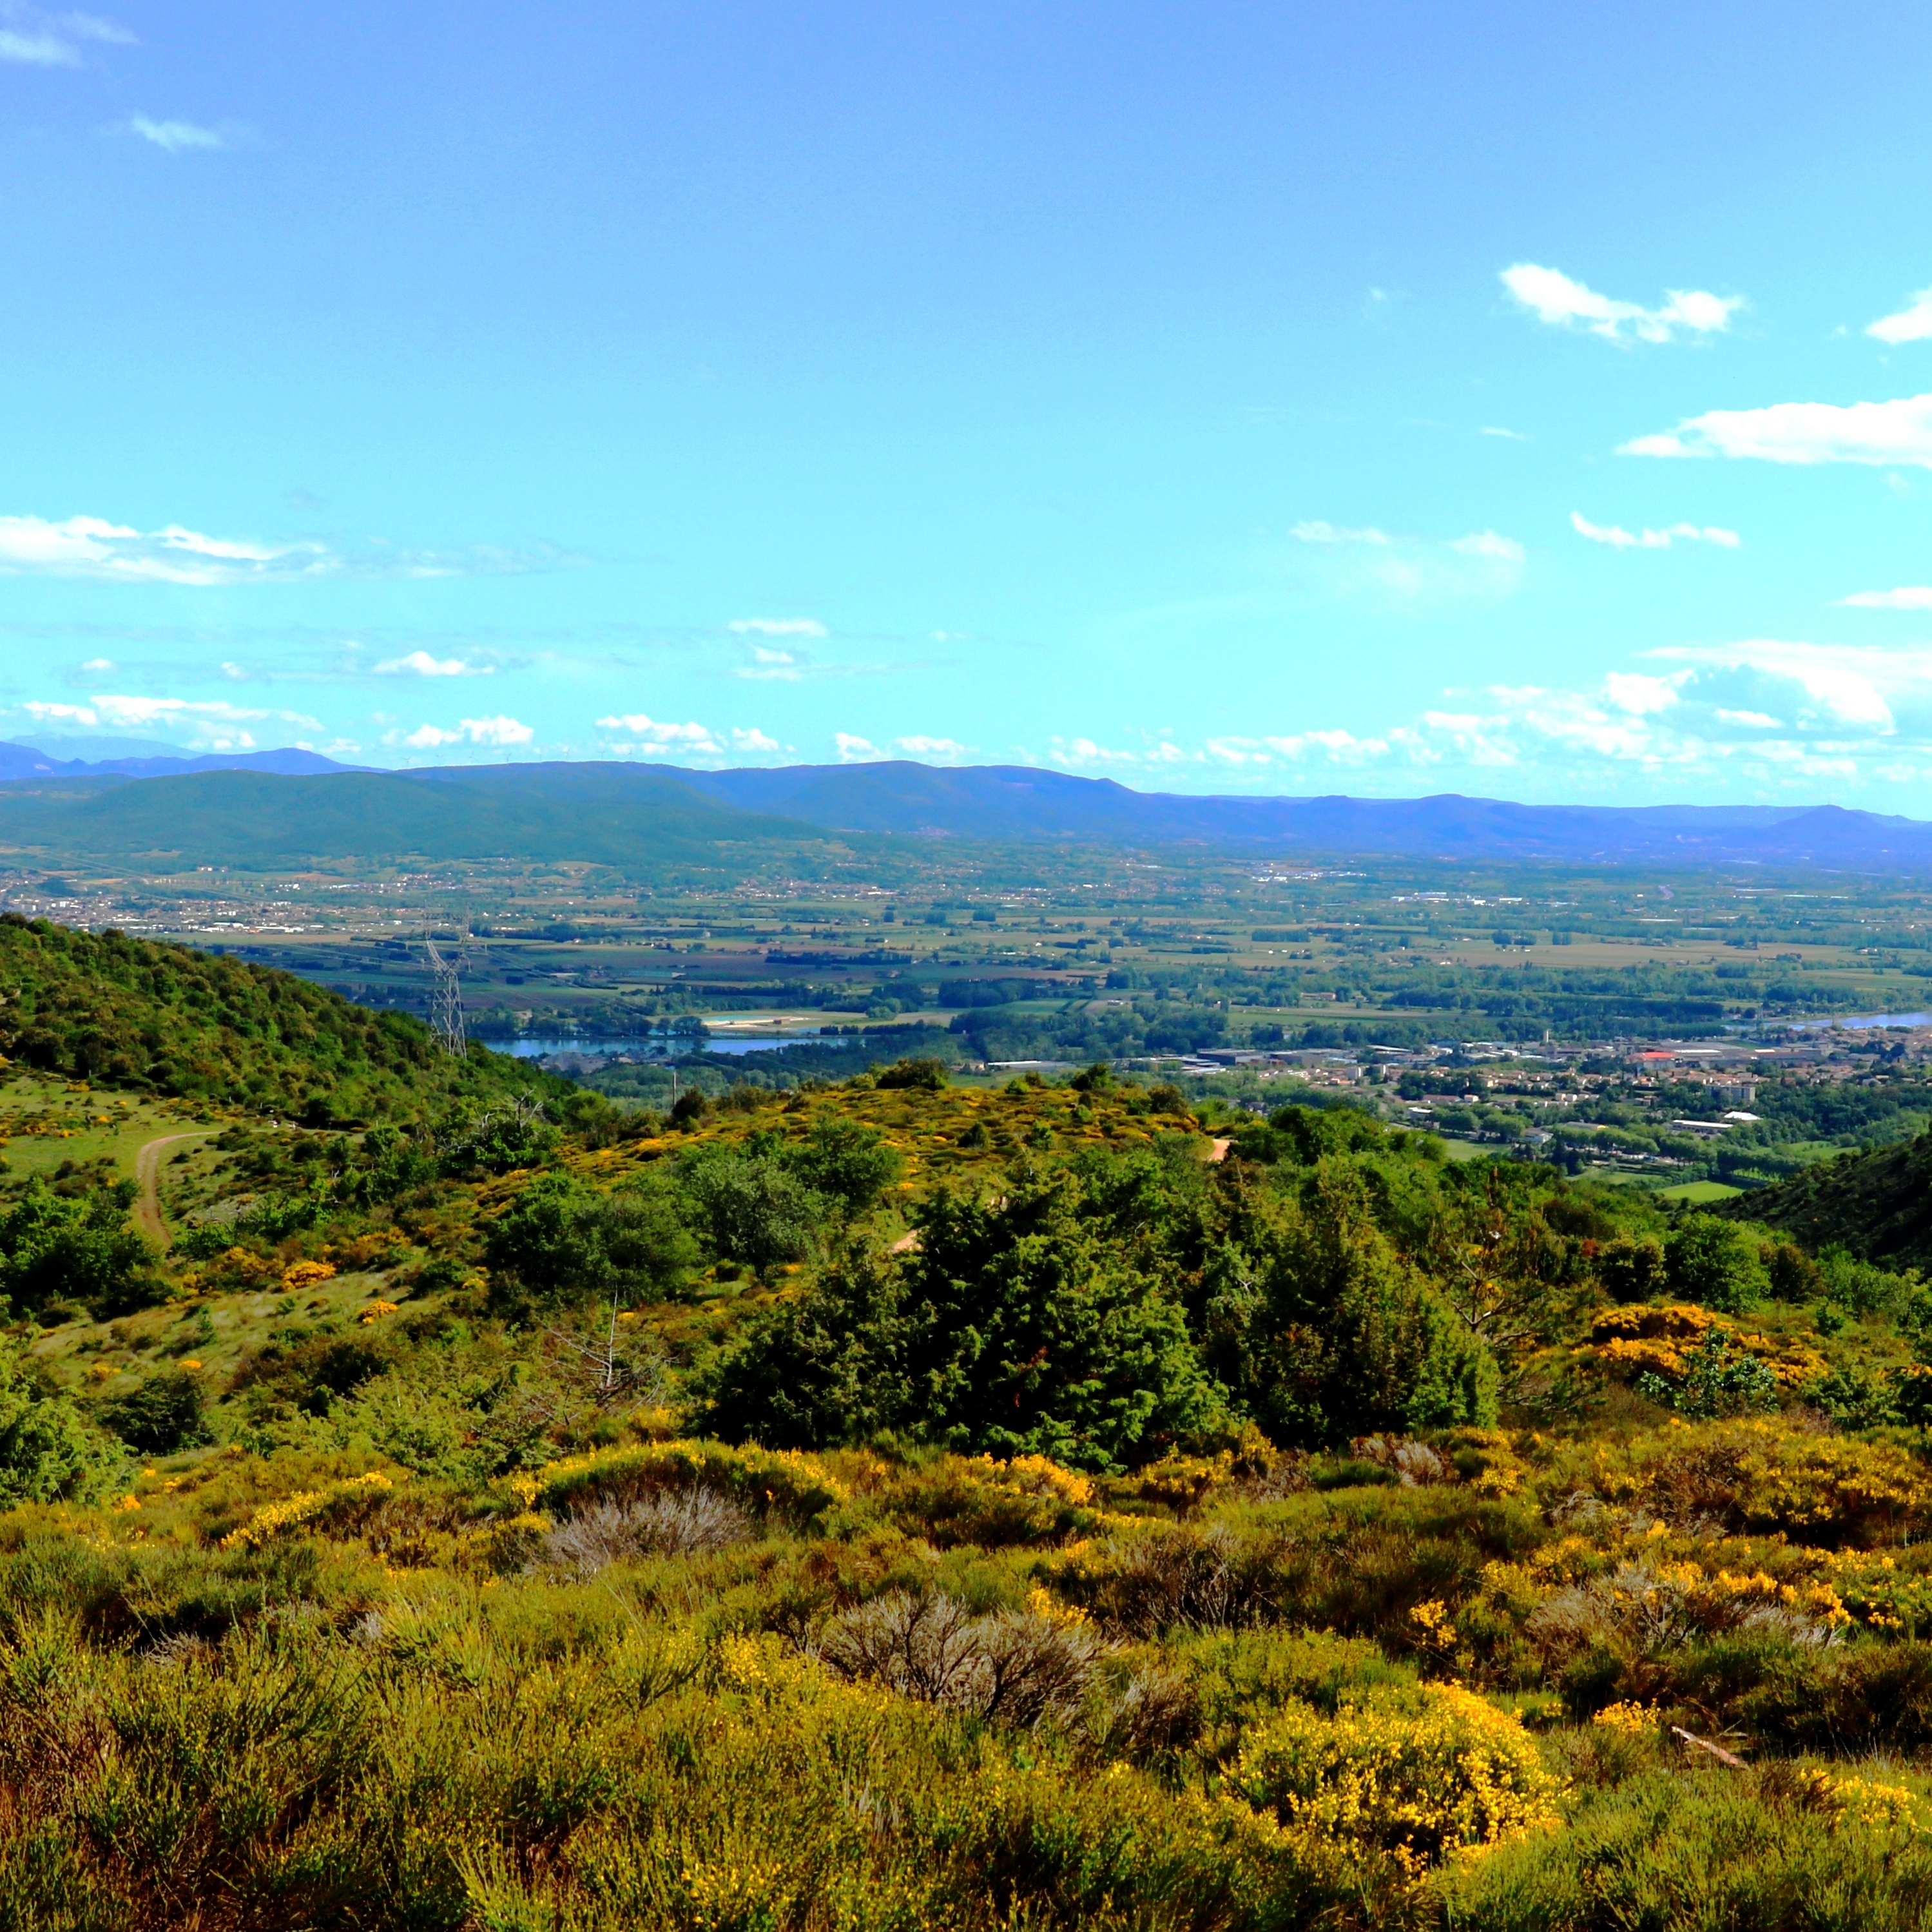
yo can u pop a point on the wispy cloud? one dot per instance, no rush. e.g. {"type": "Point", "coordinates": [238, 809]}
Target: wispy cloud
{"type": "Point", "coordinates": [1507, 435]}
{"type": "Point", "coordinates": [1907, 597]}
{"type": "Point", "coordinates": [931, 747]}
{"type": "Point", "coordinates": [853, 750]}
{"type": "Point", "coordinates": [777, 627]}
{"type": "Point", "coordinates": [1618, 538]}
{"type": "Point", "coordinates": [93, 546]}
{"type": "Point", "coordinates": [420, 663]}
{"type": "Point", "coordinates": [208, 725]}
{"type": "Point", "coordinates": [1884, 433]}
{"type": "Point", "coordinates": [1767, 712]}
{"type": "Point", "coordinates": [1912, 323]}
{"type": "Point", "coordinates": [1553, 297]}
{"type": "Point", "coordinates": [30, 37]}
{"type": "Point", "coordinates": [1483, 563]}
{"type": "Point", "coordinates": [499, 731]}
{"type": "Point", "coordinates": [177, 137]}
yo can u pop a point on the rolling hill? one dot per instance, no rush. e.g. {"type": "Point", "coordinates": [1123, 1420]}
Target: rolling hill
{"type": "Point", "coordinates": [148, 1017]}
{"type": "Point", "coordinates": [627, 816]}
{"type": "Point", "coordinates": [1877, 1204]}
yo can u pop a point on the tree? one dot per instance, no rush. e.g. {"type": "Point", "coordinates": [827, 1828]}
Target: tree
{"type": "Point", "coordinates": [561, 1241]}
{"type": "Point", "coordinates": [166, 1413]}
{"type": "Point", "coordinates": [755, 1208]}
{"type": "Point", "coordinates": [1013, 1329]}
{"type": "Point", "coordinates": [47, 1452]}
{"type": "Point", "coordinates": [78, 1249]}
{"type": "Point", "coordinates": [1321, 1331]}
{"type": "Point", "coordinates": [847, 1162]}
{"type": "Point", "coordinates": [1714, 1262]}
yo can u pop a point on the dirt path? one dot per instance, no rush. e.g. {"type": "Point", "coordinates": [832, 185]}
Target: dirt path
{"type": "Point", "coordinates": [147, 1178]}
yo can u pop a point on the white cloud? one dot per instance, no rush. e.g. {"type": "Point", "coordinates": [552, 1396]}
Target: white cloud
{"type": "Point", "coordinates": [766, 654]}
{"type": "Point", "coordinates": [1784, 715]}
{"type": "Point", "coordinates": [1912, 323]}
{"type": "Point", "coordinates": [1487, 543]}
{"type": "Point", "coordinates": [1634, 692]}
{"type": "Point", "coordinates": [1483, 563]}
{"type": "Point", "coordinates": [1899, 432]}
{"type": "Point", "coordinates": [1618, 538]}
{"type": "Point", "coordinates": [90, 547]}
{"type": "Point", "coordinates": [751, 739]}
{"type": "Point", "coordinates": [209, 725]}
{"type": "Point", "coordinates": [1507, 435]}
{"type": "Point", "coordinates": [499, 731]}
{"type": "Point", "coordinates": [420, 663]}
{"type": "Point", "coordinates": [637, 724]}
{"type": "Point", "coordinates": [32, 38]}
{"type": "Point", "coordinates": [853, 750]}
{"type": "Point", "coordinates": [1552, 297]}
{"type": "Point", "coordinates": [176, 137]}
{"type": "Point", "coordinates": [1321, 532]}
{"type": "Point", "coordinates": [1907, 597]}
{"type": "Point", "coordinates": [1848, 685]}
{"type": "Point", "coordinates": [931, 747]}
{"type": "Point", "coordinates": [98, 664]}
{"type": "Point", "coordinates": [37, 50]}
{"type": "Point", "coordinates": [777, 627]}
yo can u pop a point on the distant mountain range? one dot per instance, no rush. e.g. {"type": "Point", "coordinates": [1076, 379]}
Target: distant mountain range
{"type": "Point", "coordinates": [29, 761]}
{"type": "Point", "coordinates": [275, 806]}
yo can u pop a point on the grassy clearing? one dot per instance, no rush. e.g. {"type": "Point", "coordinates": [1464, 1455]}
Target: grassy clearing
{"type": "Point", "coordinates": [1695, 1193]}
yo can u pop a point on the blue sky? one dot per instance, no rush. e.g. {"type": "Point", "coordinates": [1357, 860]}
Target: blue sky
{"type": "Point", "coordinates": [1274, 398]}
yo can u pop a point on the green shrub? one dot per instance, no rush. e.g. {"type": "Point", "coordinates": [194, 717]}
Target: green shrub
{"type": "Point", "coordinates": [166, 1413]}
{"type": "Point", "coordinates": [46, 1451]}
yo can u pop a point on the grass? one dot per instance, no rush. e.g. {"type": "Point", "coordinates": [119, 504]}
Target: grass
{"type": "Point", "coordinates": [46, 1123]}
{"type": "Point", "coordinates": [1695, 1193]}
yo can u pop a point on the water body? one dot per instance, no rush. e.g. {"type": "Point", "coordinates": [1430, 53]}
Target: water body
{"type": "Point", "coordinates": [1866, 1020]}
{"type": "Point", "coordinates": [661, 1046]}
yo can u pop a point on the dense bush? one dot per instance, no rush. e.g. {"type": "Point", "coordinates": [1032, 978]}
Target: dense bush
{"type": "Point", "coordinates": [1015, 1329]}
{"type": "Point", "coordinates": [560, 1241]}
{"type": "Point", "coordinates": [47, 1452]}
{"type": "Point", "coordinates": [57, 1247]}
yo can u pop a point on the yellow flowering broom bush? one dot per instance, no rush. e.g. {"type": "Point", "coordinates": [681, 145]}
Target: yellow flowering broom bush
{"type": "Point", "coordinates": [1422, 1775]}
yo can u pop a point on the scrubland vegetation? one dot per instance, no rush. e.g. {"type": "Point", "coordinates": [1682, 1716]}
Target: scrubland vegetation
{"type": "Point", "coordinates": [901, 1504]}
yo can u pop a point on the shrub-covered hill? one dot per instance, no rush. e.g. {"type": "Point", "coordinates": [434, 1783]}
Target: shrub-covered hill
{"type": "Point", "coordinates": [136, 1014]}
{"type": "Point", "coordinates": [1877, 1204]}
{"type": "Point", "coordinates": [895, 1505]}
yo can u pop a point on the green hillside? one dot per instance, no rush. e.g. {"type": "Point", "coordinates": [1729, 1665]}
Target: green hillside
{"type": "Point", "coordinates": [609, 814]}
{"type": "Point", "coordinates": [900, 1504]}
{"type": "Point", "coordinates": [1877, 1204]}
{"type": "Point", "coordinates": [147, 1017]}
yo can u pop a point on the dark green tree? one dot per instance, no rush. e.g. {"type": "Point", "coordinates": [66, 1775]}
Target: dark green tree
{"type": "Point", "coordinates": [58, 1247]}
{"type": "Point", "coordinates": [1013, 1329]}
{"type": "Point", "coordinates": [166, 1413]}
{"type": "Point", "coordinates": [562, 1241]}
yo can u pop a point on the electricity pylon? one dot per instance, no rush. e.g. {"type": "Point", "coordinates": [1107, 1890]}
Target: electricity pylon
{"type": "Point", "coordinates": [445, 997]}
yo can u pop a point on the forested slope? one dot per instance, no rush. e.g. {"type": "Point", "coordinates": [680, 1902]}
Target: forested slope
{"type": "Point", "coordinates": [1878, 1204]}
{"type": "Point", "coordinates": [137, 1014]}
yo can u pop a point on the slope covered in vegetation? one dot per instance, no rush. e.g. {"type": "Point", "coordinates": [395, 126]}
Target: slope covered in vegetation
{"type": "Point", "coordinates": [138, 1015]}
{"type": "Point", "coordinates": [898, 1504]}
{"type": "Point", "coordinates": [1876, 1203]}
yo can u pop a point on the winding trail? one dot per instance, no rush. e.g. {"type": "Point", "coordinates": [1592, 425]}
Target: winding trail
{"type": "Point", "coordinates": [147, 1178]}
